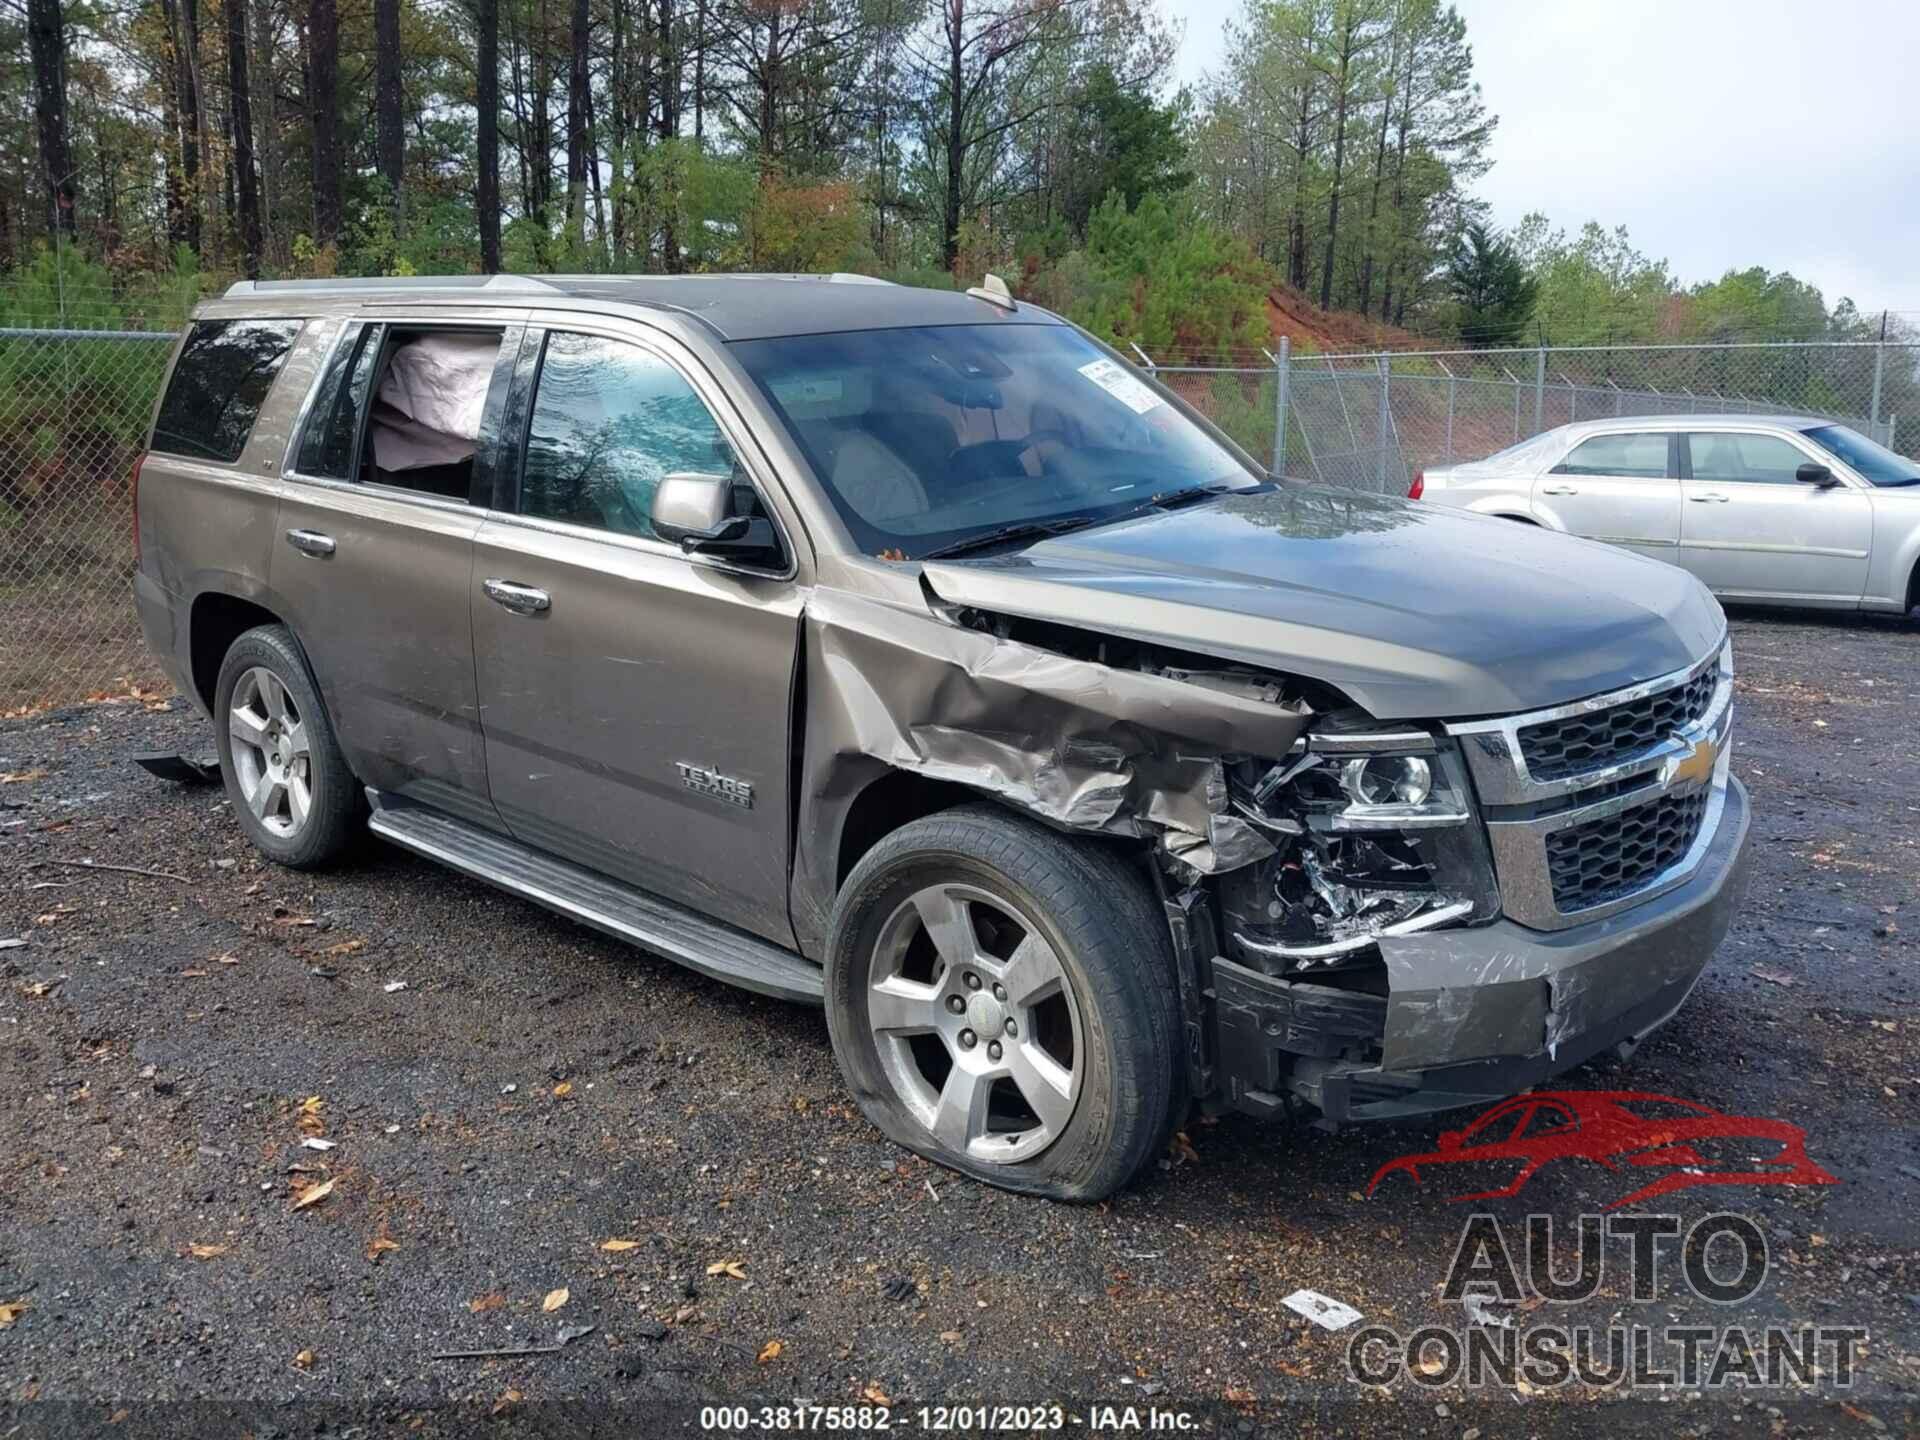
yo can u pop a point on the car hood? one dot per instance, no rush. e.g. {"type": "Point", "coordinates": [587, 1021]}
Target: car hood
{"type": "Point", "coordinates": [1413, 611]}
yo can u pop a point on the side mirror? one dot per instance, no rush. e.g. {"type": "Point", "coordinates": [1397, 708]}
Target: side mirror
{"type": "Point", "coordinates": [694, 511]}
{"type": "Point", "coordinates": [1812, 472]}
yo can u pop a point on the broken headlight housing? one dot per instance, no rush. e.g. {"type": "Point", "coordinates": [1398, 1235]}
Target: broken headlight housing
{"type": "Point", "coordinates": [1374, 833]}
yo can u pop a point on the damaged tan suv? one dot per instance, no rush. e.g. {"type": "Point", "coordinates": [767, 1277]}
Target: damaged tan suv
{"type": "Point", "coordinates": [907, 653]}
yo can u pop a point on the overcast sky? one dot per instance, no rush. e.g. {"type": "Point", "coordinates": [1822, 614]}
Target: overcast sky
{"type": "Point", "coordinates": [1721, 133]}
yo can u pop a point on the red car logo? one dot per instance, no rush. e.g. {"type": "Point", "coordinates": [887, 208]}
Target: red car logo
{"type": "Point", "coordinates": [1677, 1143]}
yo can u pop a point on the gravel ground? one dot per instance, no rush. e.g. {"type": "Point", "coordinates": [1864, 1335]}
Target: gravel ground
{"type": "Point", "coordinates": [536, 1091]}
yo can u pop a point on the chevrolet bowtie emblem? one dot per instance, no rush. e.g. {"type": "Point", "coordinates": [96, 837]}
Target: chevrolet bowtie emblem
{"type": "Point", "coordinates": [1696, 764]}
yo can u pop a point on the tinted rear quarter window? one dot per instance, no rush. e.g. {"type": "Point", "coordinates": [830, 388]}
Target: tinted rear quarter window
{"type": "Point", "coordinates": [219, 384]}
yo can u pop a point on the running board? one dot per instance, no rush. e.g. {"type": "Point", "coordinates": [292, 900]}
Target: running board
{"type": "Point", "coordinates": [713, 949]}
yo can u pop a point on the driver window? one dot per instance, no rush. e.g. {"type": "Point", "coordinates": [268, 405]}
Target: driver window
{"type": "Point", "coordinates": [609, 420]}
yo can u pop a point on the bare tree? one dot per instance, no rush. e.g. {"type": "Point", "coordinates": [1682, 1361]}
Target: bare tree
{"type": "Point", "coordinates": [579, 102]}
{"type": "Point", "coordinates": [241, 115]}
{"type": "Point", "coordinates": [323, 104]}
{"type": "Point", "coordinates": [487, 99]}
{"type": "Point", "coordinates": [46, 40]}
{"type": "Point", "coordinates": [387, 104]}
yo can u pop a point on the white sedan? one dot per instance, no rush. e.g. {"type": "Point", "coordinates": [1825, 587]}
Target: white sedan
{"type": "Point", "coordinates": [1767, 509]}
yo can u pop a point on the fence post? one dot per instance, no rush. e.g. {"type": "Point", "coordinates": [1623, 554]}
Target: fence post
{"type": "Point", "coordinates": [1453, 386]}
{"type": "Point", "coordinates": [1539, 389]}
{"type": "Point", "coordinates": [1879, 377]}
{"type": "Point", "coordinates": [1281, 364]}
{"type": "Point", "coordinates": [1384, 424]}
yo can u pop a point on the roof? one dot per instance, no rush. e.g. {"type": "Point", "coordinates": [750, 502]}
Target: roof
{"type": "Point", "coordinates": [1687, 422]}
{"type": "Point", "coordinates": [735, 307]}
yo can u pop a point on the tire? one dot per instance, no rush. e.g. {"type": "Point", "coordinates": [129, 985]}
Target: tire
{"type": "Point", "coordinates": [266, 691]}
{"type": "Point", "coordinates": [1076, 1009]}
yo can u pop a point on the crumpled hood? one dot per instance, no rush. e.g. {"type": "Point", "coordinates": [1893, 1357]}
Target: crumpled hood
{"type": "Point", "coordinates": [1413, 611]}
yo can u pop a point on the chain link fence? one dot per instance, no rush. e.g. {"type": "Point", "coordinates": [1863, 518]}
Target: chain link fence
{"type": "Point", "coordinates": [77, 389]}
{"type": "Point", "coordinates": [1369, 421]}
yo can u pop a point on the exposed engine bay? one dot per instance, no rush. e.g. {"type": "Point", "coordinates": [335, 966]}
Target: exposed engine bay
{"type": "Point", "coordinates": [1366, 830]}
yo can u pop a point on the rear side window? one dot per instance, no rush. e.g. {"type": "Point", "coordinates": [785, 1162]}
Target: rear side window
{"type": "Point", "coordinates": [330, 445]}
{"type": "Point", "coordinates": [219, 384]}
{"type": "Point", "coordinates": [1642, 457]}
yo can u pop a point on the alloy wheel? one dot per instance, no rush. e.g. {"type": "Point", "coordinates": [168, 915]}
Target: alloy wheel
{"type": "Point", "coordinates": [271, 758]}
{"type": "Point", "coordinates": [976, 1023]}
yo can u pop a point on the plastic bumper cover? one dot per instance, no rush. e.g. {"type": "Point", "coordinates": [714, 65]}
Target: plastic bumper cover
{"type": "Point", "coordinates": [1474, 1014]}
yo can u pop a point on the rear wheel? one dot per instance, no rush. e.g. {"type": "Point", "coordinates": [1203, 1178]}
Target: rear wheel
{"type": "Point", "coordinates": [285, 776]}
{"type": "Point", "coordinates": [1001, 1000]}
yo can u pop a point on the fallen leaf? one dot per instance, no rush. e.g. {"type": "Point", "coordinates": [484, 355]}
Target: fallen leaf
{"type": "Point", "coordinates": [874, 1395]}
{"type": "Point", "coordinates": [1239, 1395]}
{"type": "Point", "coordinates": [506, 1402]}
{"type": "Point", "coordinates": [555, 1299]}
{"type": "Point", "coordinates": [309, 1116]}
{"type": "Point", "coordinates": [769, 1352]}
{"type": "Point", "coordinates": [314, 1142]}
{"type": "Point", "coordinates": [206, 1252]}
{"type": "Point", "coordinates": [304, 1360]}
{"type": "Point", "coordinates": [1182, 1148]}
{"type": "Point", "coordinates": [727, 1267]}
{"type": "Point", "coordinates": [379, 1246]}
{"type": "Point", "coordinates": [346, 947]}
{"type": "Point", "coordinates": [21, 777]}
{"type": "Point", "coordinates": [563, 1089]}
{"type": "Point", "coordinates": [619, 1247]}
{"type": "Point", "coordinates": [1773, 977]}
{"type": "Point", "coordinates": [10, 1311]}
{"type": "Point", "coordinates": [492, 1301]}
{"type": "Point", "coordinates": [193, 974]}
{"type": "Point", "coordinates": [1431, 1365]}
{"type": "Point", "coordinates": [313, 1194]}
{"type": "Point", "coordinates": [227, 957]}
{"type": "Point", "coordinates": [952, 1337]}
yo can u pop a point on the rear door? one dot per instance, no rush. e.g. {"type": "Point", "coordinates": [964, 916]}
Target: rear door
{"type": "Point", "coordinates": [1621, 487]}
{"type": "Point", "coordinates": [638, 701]}
{"type": "Point", "coordinates": [372, 566]}
{"type": "Point", "coordinates": [1752, 531]}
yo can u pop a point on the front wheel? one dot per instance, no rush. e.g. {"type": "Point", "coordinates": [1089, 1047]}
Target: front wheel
{"type": "Point", "coordinates": [1002, 1001]}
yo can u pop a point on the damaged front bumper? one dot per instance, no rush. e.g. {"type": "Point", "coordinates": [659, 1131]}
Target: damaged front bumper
{"type": "Point", "coordinates": [1469, 1015]}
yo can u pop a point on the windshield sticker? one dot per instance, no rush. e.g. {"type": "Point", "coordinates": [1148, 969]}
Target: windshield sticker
{"type": "Point", "coordinates": [1114, 379]}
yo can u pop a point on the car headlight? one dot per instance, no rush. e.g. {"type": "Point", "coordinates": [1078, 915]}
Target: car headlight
{"type": "Point", "coordinates": [1375, 836]}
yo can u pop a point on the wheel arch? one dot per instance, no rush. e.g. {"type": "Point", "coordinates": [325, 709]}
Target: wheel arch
{"type": "Point", "coordinates": [217, 619]}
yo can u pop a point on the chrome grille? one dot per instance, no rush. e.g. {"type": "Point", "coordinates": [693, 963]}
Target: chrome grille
{"type": "Point", "coordinates": [1556, 749]}
{"type": "Point", "coordinates": [1603, 860]}
{"type": "Point", "coordinates": [1603, 803]}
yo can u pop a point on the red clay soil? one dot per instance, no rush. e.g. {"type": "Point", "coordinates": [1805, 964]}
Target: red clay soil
{"type": "Point", "coordinates": [1291, 314]}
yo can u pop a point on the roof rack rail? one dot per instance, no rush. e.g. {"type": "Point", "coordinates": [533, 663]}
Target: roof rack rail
{"type": "Point", "coordinates": [374, 285]}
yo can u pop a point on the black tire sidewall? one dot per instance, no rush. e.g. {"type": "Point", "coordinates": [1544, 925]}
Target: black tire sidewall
{"type": "Point", "coordinates": [1118, 966]}
{"type": "Point", "coordinates": [329, 828]}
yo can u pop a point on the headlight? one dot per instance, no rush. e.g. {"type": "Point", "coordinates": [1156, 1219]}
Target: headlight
{"type": "Point", "coordinates": [1388, 780]}
{"type": "Point", "coordinates": [1375, 836]}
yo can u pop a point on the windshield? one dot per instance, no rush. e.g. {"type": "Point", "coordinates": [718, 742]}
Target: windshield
{"type": "Point", "coordinates": [1875, 462]}
{"type": "Point", "coordinates": [926, 438]}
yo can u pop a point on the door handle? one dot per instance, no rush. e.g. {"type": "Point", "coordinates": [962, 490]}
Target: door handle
{"type": "Point", "coordinates": [1559, 490]}
{"type": "Point", "coordinates": [1706, 497]}
{"type": "Point", "coordinates": [520, 599]}
{"type": "Point", "coordinates": [311, 542]}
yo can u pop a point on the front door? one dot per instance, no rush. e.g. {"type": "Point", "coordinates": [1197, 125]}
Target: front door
{"type": "Point", "coordinates": [372, 565]}
{"type": "Point", "coordinates": [1622, 488]}
{"type": "Point", "coordinates": [637, 701]}
{"type": "Point", "coordinates": [1754, 532]}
